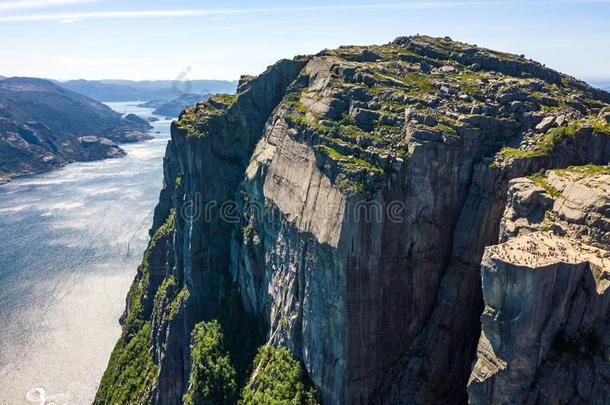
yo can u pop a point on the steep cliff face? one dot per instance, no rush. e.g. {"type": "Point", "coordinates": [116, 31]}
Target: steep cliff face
{"type": "Point", "coordinates": [340, 205]}
{"type": "Point", "coordinates": [545, 335]}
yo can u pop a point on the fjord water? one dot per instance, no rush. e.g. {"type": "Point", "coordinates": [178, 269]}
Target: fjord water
{"type": "Point", "coordinates": [71, 241]}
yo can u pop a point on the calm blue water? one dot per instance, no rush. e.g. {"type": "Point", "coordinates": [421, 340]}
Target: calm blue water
{"type": "Point", "coordinates": [70, 242]}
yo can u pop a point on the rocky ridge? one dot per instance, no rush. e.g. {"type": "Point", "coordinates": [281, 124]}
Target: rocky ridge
{"type": "Point", "coordinates": [340, 205]}
{"type": "Point", "coordinates": [43, 127]}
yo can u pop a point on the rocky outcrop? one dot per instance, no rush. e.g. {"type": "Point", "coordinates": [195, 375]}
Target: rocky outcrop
{"type": "Point", "coordinates": [340, 205]}
{"type": "Point", "coordinates": [545, 334]}
{"type": "Point", "coordinates": [43, 127]}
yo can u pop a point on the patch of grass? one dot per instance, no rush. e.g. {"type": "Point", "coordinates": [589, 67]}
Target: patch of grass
{"type": "Point", "coordinates": [469, 82]}
{"type": "Point", "coordinates": [297, 119]}
{"type": "Point", "coordinates": [446, 129]}
{"type": "Point", "coordinates": [586, 170]}
{"type": "Point", "coordinates": [350, 163]}
{"type": "Point", "coordinates": [300, 107]}
{"type": "Point", "coordinates": [278, 378]}
{"type": "Point", "coordinates": [443, 123]}
{"type": "Point", "coordinates": [339, 141]}
{"type": "Point", "coordinates": [417, 83]}
{"type": "Point", "coordinates": [353, 133]}
{"type": "Point", "coordinates": [601, 127]}
{"type": "Point", "coordinates": [226, 99]}
{"type": "Point", "coordinates": [420, 83]}
{"type": "Point", "coordinates": [403, 153]}
{"type": "Point", "coordinates": [517, 153]}
{"type": "Point", "coordinates": [297, 115]}
{"type": "Point", "coordinates": [545, 143]}
{"type": "Point", "coordinates": [567, 81]}
{"type": "Point", "coordinates": [166, 298]}
{"type": "Point", "coordinates": [540, 180]}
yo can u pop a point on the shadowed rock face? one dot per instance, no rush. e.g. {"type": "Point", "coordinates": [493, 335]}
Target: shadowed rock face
{"type": "Point", "coordinates": [43, 126]}
{"type": "Point", "coordinates": [364, 185]}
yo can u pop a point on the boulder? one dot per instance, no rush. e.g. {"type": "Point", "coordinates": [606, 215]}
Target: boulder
{"type": "Point", "coordinates": [546, 124]}
{"type": "Point", "coordinates": [364, 118]}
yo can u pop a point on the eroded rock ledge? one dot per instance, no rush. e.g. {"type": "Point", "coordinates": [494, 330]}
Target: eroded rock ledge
{"type": "Point", "coordinates": [545, 328]}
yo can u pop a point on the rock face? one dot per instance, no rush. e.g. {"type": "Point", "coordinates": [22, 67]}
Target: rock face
{"type": "Point", "coordinates": [545, 333]}
{"type": "Point", "coordinates": [341, 204]}
{"type": "Point", "coordinates": [43, 126]}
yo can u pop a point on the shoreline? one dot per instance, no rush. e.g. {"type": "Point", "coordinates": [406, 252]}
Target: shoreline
{"type": "Point", "coordinates": [6, 179]}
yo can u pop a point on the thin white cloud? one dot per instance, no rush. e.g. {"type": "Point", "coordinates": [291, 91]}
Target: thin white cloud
{"type": "Point", "coordinates": [177, 13]}
{"type": "Point", "coordinates": [80, 61]}
{"type": "Point", "coordinates": [34, 4]}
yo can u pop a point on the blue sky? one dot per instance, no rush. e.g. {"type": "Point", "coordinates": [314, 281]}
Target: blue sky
{"type": "Point", "coordinates": [138, 39]}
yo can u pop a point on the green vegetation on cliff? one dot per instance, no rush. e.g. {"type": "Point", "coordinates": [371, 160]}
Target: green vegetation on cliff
{"type": "Point", "coordinates": [131, 374]}
{"type": "Point", "coordinates": [165, 292]}
{"type": "Point", "coordinates": [212, 379]}
{"type": "Point", "coordinates": [546, 143]}
{"type": "Point", "coordinates": [277, 378]}
{"type": "Point", "coordinates": [586, 170]}
{"type": "Point", "coordinates": [540, 180]}
{"type": "Point", "coordinates": [194, 119]}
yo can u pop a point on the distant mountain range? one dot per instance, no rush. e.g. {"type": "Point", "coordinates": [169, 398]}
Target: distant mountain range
{"type": "Point", "coordinates": [125, 90]}
{"type": "Point", "coordinates": [174, 107]}
{"type": "Point", "coordinates": [602, 84]}
{"type": "Point", "coordinates": [43, 126]}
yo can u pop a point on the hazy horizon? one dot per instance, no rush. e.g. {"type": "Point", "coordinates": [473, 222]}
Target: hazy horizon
{"type": "Point", "coordinates": [157, 40]}
{"type": "Point", "coordinates": [603, 81]}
